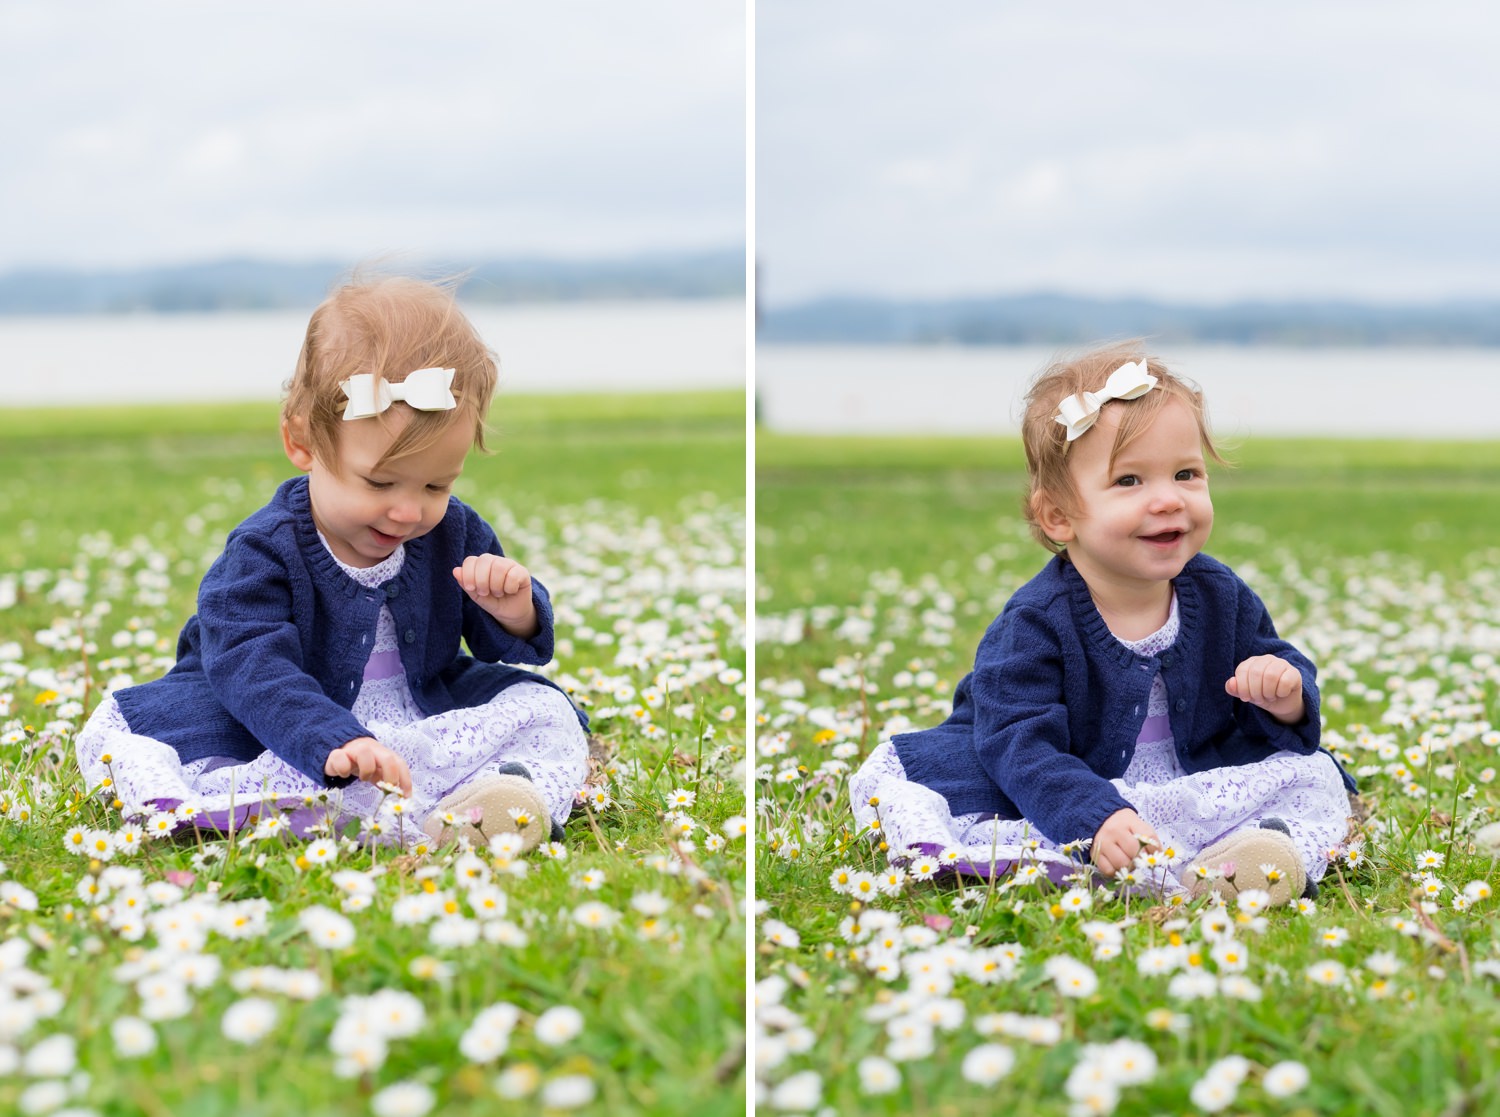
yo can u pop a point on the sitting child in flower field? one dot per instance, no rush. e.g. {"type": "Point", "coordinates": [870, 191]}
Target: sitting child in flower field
{"type": "Point", "coordinates": [1133, 698]}
{"type": "Point", "coordinates": [325, 648]}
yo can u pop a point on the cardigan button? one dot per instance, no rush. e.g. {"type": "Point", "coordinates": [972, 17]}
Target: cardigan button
{"type": "Point", "coordinates": [410, 637]}
{"type": "Point", "coordinates": [392, 592]}
{"type": "Point", "coordinates": [1181, 705]}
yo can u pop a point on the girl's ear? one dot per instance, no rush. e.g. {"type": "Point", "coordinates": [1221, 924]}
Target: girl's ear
{"type": "Point", "coordinates": [1056, 524]}
{"type": "Point", "coordinates": [294, 442]}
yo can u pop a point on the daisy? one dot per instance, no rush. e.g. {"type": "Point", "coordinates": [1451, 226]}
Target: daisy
{"type": "Point", "coordinates": [518, 1081]}
{"type": "Point", "coordinates": [403, 1099]}
{"type": "Point", "coordinates": [557, 1025]}
{"type": "Point", "coordinates": [1285, 1079]}
{"type": "Point", "coordinates": [248, 1021]}
{"type": "Point", "coordinates": [878, 1076]}
{"type": "Point", "coordinates": [988, 1063]}
{"type": "Point", "coordinates": [570, 1091]}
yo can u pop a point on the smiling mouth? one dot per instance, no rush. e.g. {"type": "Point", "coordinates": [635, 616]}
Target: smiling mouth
{"type": "Point", "coordinates": [1164, 537]}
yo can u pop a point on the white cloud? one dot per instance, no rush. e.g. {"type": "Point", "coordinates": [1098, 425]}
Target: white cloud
{"type": "Point", "coordinates": [169, 129]}
{"type": "Point", "coordinates": [1176, 150]}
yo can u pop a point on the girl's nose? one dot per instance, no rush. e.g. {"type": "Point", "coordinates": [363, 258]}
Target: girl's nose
{"type": "Point", "coordinates": [1166, 498]}
{"type": "Point", "coordinates": [405, 512]}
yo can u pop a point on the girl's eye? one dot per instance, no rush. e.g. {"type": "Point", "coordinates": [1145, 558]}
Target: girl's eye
{"type": "Point", "coordinates": [1128, 480]}
{"type": "Point", "coordinates": [374, 484]}
{"type": "Point", "coordinates": [438, 488]}
{"type": "Point", "coordinates": [1187, 474]}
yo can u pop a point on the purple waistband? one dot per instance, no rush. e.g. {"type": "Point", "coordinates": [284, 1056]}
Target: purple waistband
{"type": "Point", "coordinates": [383, 665]}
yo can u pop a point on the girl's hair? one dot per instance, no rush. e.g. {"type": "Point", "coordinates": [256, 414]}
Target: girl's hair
{"type": "Point", "coordinates": [388, 327]}
{"type": "Point", "coordinates": [1046, 440]}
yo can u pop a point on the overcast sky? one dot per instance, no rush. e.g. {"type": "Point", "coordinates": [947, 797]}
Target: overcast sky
{"type": "Point", "coordinates": [1172, 149]}
{"type": "Point", "coordinates": [165, 131]}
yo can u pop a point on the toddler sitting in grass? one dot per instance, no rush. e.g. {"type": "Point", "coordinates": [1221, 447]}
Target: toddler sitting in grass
{"type": "Point", "coordinates": [325, 654]}
{"type": "Point", "coordinates": [1132, 699]}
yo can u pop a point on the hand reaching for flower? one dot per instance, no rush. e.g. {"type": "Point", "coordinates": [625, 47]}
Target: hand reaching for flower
{"type": "Point", "coordinates": [1271, 683]}
{"type": "Point", "coordinates": [502, 588]}
{"type": "Point", "coordinates": [1120, 840]}
{"type": "Point", "coordinates": [367, 759]}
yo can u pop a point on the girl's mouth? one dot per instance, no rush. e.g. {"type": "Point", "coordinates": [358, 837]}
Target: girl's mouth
{"type": "Point", "coordinates": [1164, 538]}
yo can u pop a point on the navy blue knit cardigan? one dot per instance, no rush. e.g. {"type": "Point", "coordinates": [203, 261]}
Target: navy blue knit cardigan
{"type": "Point", "coordinates": [1055, 702]}
{"type": "Point", "coordinates": [276, 653]}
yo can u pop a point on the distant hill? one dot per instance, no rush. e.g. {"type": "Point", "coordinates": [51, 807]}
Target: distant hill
{"type": "Point", "coordinates": [246, 284]}
{"type": "Point", "coordinates": [1052, 319]}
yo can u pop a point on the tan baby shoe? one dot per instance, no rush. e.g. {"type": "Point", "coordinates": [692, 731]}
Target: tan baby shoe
{"type": "Point", "coordinates": [1261, 858]}
{"type": "Point", "coordinates": [506, 804]}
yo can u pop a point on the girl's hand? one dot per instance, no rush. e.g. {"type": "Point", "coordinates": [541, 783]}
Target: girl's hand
{"type": "Point", "coordinates": [1271, 683]}
{"type": "Point", "coordinates": [1120, 840]}
{"type": "Point", "coordinates": [502, 588]}
{"type": "Point", "coordinates": [369, 760]}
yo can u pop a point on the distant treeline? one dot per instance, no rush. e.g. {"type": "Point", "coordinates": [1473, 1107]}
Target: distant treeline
{"type": "Point", "coordinates": [1047, 319]}
{"type": "Point", "coordinates": [264, 284]}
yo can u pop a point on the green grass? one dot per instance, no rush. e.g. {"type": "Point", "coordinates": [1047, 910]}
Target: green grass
{"type": "Point", "coordinates": [878, 559]}
{"type": "Point", "coordinates": [111, 517]}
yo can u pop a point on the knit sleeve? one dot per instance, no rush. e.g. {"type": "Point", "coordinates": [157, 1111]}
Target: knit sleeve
{"type": "Point", "coordinates": [1021, 729]}
{"type": "Point", "coordinates": [485, 636]}
{"type": "Point", "coordinates": [1256, 635]}
{"type": "Point", "coordinates": [253, 659]}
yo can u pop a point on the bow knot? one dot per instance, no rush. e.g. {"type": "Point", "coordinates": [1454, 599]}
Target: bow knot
{"type": "Point", "coordinates": [426, 389]}
{"type": "Point", "coordinates": [1080, 411]}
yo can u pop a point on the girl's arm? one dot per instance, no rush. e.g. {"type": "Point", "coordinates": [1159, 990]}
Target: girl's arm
{"type": "Point", "coordinates": [252, 658]}
{"type": "Point", "coordinates": [1256, 636]}
{"type": "Point", "coordinates": [485, 636]}
{"type": "Point", "coordinates": [1022, 734]}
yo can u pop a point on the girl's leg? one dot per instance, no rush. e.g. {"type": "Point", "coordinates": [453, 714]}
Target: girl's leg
{"type": "Point", "coordinates": [915, 817]}
{"type": "Point", "coordinates": [1195, 811]}
{"type": "Point", "coordinates": [529, 723]}
{"type": "Point", "coordinates": [149, 775]}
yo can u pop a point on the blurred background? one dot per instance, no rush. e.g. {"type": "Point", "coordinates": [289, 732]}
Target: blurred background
{"type": "Point", "coordinates": [181, 183]}
{"type": "Point", "coordinates": [1294, 204]}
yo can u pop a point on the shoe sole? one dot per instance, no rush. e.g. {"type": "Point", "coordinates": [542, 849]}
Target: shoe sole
{"type": "Point", "coordinates": [495, 797]}
{"type": "Point", "coordinates": [1248, 850]}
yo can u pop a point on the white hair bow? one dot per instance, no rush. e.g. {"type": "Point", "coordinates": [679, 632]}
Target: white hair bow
{"type": "Point", "coordinates": [1079, 412]}
{"type": "Point", "coordinates": [427, 389]}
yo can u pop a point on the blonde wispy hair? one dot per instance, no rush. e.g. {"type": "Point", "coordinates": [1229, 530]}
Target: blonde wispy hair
{"type": "Point", "coordinates": [1046, 440]}
{"type": "Point", "coordinates": [388, 327]}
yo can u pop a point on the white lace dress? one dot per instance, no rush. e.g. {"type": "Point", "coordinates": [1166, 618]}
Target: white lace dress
{"type": "Point", "coordinates": [1189, 812]}
{"type": "Point", "coordinates": [527, 722]}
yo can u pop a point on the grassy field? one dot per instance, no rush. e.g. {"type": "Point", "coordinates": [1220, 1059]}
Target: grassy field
{"type": "Point", "coordinates": [197, 975]}
{"type": "Point", "coordinates": [879, 564]}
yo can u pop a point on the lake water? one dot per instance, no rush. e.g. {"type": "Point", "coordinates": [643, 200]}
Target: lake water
{"type": "Point", "coordinates": [554, 347]}
{"type": "Point", "coordinates": [1430, 393]}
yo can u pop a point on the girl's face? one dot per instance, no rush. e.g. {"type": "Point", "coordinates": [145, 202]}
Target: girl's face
{"type": "Point", "coordinates": [1138, 523]}
{"type": "Point", "coordinates": [366, 513]}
